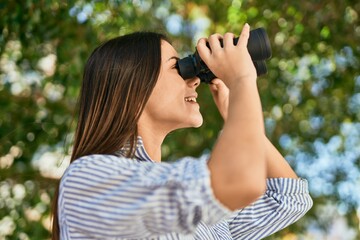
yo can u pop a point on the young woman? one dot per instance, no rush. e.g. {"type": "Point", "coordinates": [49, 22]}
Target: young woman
{"type": "Point", "coordinates": [116, 186]}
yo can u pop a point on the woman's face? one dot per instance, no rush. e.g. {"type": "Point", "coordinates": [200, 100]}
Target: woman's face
{"type": "Point", "coordinates": [172, 104]}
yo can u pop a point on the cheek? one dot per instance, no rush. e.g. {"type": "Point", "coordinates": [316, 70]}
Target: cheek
{"type": "Point", "coordinates": [169, 90]}
{"type": "Point", "coordinates": [160, 103]}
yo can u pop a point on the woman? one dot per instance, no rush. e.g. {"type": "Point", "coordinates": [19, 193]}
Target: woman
{"type": "Point", "coordinates": [116, 186]}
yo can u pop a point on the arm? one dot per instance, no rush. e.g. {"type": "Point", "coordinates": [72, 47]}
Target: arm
{"type": "Point", "coordinates": [286, 199]}
{"type": "Point", "coordinates": [277, 166]}
{"type": "Point", "coordinates": [237, 163]}
{"type": "Point", "coordinates": [109, 197]}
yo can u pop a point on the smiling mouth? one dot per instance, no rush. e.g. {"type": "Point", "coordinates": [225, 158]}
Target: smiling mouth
{"type": "Point", "coordinates": [190, 99]}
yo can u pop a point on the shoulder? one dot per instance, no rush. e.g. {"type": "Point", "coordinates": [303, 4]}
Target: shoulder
{"type": "Point", "coordinates": [101, 167]}
{"type": "Point", "coordinates": [101, 160]}
{"type": "Point", "coordinates": [97, 166]}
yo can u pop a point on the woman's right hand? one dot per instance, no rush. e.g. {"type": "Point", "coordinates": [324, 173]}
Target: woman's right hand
{"type": "Point", "coordinates": [237, 163]}
{"type": "Point", "coordinates": [231, 63]}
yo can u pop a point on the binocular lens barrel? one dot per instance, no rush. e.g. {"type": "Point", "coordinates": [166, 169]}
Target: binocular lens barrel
{"type": "Point", "coordinates": [258, 45]}
{"type": "Point", "coordinates": [259, 49]}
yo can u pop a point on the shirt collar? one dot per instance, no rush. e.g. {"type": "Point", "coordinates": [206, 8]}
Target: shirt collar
{"type": "Point", "coordinates": [140, 152]}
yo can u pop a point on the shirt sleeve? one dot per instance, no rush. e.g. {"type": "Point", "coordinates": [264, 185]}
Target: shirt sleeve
{"type": "Point", "coordinates": [110, 197]}
{"type": "Point", "coordinates": [285, 201]}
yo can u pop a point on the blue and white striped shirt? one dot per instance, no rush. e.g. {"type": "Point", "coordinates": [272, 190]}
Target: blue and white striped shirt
{"type": "Point", "coordinates": [112, 197]}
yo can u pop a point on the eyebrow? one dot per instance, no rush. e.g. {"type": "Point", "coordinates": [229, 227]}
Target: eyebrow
{"type": "Point", "coordinates": [173, 57]}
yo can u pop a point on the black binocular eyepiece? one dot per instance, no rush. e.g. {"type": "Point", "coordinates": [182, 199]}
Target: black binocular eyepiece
{"type": "Point", "coordinates": [259, 49]}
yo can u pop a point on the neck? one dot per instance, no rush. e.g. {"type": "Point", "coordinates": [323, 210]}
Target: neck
{"type": "Point", "coordinates": [152, 142]}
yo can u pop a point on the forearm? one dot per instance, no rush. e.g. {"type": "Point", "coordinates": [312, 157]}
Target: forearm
{"type": "Point", "coordinates": [238, 158]}
{"type": "Point", "coordinates": [241, 139]}
{"type": "Point", "coordinates": [276, 165]}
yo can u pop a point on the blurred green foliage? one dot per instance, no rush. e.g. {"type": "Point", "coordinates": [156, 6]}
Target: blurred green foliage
{"type": "Point", "coordinates": [311, 94]}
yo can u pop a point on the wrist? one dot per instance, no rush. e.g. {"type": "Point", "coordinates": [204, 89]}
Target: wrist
{"type": "Point", "coordinates": [242, 86]}
{"type": "Point", "coordinates": [242, 82]}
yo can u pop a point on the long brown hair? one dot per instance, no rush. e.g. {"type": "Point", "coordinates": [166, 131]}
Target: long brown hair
{"type": "Point", "coordinates": [118, 79]}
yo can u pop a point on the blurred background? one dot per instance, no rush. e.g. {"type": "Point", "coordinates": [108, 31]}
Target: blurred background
{"type": "Point", "coordinates": [310, 96]}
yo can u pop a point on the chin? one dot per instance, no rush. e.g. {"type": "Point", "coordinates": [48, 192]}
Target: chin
{"type": "Point", "coordinates": [196, 123]}
{"type": "Point", "coordinates": [193, 123]}
{"type": "Point", "coordinates": [199, 124]}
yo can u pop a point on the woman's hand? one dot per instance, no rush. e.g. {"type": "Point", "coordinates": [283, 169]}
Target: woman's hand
{"type": "Point", "coordinates": [220, 93]}
{"type": "Point", "coordinates": [231, 63]}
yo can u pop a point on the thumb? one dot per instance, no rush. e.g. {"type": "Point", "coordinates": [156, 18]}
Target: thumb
{"type": "Point", "coordinates": [218, 85]}
{"type": "Point", "coordinates": [213, 87]}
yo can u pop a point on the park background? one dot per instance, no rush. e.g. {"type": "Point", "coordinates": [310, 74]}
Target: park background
{"type": "Point", "coordinates": [310, 96]}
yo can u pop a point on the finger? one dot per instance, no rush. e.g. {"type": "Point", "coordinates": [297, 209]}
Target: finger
{"type": "Point", "coordinates": [244, 36]}
{"type": "Point", "coordinates": [214, 41]}
{"type": "Point", "coordinates": [213, 87]}
{"type": "Point", "coordinates": [214, 92]}
{"type": "Point", "coordinates": [220, 85]}
{"type": "Point", "coordinates": [215, 84]}
{"type": "Point", "coordinates": [228, 39]}
{"type": "Point", "coordinates": [216, 81]}
{"type": "Point", "coordinates": [202, 49]}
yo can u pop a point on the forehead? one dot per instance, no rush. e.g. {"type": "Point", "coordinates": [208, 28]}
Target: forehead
{"type": "Point", "coordinates": [167, 51]}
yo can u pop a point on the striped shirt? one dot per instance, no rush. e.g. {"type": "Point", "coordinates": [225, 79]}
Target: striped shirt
{"type": "Point", "coordinates": [113, 197]}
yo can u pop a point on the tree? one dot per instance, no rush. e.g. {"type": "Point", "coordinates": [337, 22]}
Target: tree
{"type": "Point", "coordinates": [310, 95]}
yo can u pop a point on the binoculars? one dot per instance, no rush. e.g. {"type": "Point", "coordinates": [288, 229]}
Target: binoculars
{"type": "Point", "coordinates": [259, 49]}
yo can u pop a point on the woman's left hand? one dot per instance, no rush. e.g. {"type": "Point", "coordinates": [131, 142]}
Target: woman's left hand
{"type": "Point", "coordinates": [220, 93]}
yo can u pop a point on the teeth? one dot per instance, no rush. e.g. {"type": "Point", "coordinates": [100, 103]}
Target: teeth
{"type": "Point", "coordinates": [190, 99]}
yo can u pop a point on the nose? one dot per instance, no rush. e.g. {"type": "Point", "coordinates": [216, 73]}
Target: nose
{"type": "Point", "coordinates": [193, 82]}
